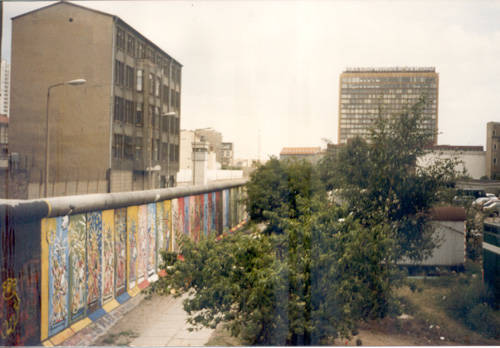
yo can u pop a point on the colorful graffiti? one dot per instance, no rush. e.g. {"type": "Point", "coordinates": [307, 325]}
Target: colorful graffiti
{"type": "Point", "coordinates": [94, 260]}
{"type": "Point", "coordinates": [120, 250]}
{"type": "Point", "coordinates": [95, 257]}
{"type": "Point", "coordinates": [58, 276]}
{"type": "Point", "coordinates": [77, 260]}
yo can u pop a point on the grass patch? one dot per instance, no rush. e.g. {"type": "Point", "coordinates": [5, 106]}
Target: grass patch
{"type": "Point", "coordinates": [123, 338]}
{"type": "Point", "coordinates": [456, 304]}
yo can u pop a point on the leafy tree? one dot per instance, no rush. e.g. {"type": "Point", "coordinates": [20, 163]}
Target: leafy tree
{"type": "Point", "coordinates": [319, 268]}
{"type": "Point", "coordinates": [381, 180]}
{"type": "Point", "coordinates": [309, 284]}
{"type": "Point", "coordinates": [274, 187]}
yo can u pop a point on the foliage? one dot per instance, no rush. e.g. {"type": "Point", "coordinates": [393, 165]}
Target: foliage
{"type": "Point", "coordinates": [381, 180]}
{"type": "Point", "coordinates": [306, 285]}
{"type": "Point", "coordinates": [472, 304]}
{"type": "Point", "coordinates": [275, 186]}
{"type": "Point", "coordinates": [320, 267]}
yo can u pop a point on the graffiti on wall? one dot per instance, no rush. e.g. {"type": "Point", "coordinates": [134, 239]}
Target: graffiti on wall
{"type": "Point", "coordinates": [120, 250]}
{"type": "Point", "coordinates": [77, 260]}
{"type": "Point", "coordinates": [58, 278]}
{"type": "Point", "coordinates": [95, 257]}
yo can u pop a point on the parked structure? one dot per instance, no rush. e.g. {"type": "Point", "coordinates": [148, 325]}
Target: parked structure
{"type": "Point", "coordinates": [472, 158]}
{"type": "Point", "coordinates": [68, 261]}
{"type": "Point", "coordinates": [364, 90]}
{"type": "Point", "coordinates": [493, 150]}
{"type": "Point", "coordinates": [4, 88]}
{"type": "Point", "coordinates": [449, 228]}
{"type": "Point", "coordinates": [116, 114]}
{"type": "Point", "coordinates": [312, 154]}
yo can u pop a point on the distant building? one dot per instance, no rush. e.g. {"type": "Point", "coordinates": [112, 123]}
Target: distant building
{"type": "Point", "coordinates": [117, 132]}
{"type": "Point", "coordinates": [4, 88]}
{"type": "Point", "coordinates": [364, 90]}
{"type": "Point", "coordinates": [227, 154]}
{"type": "Point", "coordinates": [4, 141]}
{"type": "Point", "coordinates": [473, 158]}
{"type": "Point", "coordinates": [493, 150]}
{"type": "Point", "coordinates": [312, 154]}
{"type": "Point", "coordinates": [214, 140]}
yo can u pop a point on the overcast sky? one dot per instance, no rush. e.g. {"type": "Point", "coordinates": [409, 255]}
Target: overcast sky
{"type": "Point", "coordinates": [273, 66]}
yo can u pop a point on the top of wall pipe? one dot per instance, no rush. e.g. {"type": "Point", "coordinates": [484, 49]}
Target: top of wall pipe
{"type": "Point", "coordinates": [67, 205]}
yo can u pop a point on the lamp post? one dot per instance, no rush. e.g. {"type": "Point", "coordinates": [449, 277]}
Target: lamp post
{"type": "Point", "coordinates": [171, 113]}
{"type": "Point", "coordinates": [76, 82]}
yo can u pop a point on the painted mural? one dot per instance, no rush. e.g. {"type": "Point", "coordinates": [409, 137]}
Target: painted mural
{"type": "Point", "coordinates": [94, 260]}
{"type": "Point", "coordinates": [58, 275]}
{"type": "Point", "coordinates": [132, 250]}
{"type": "Point", "coordinates": [120, 250]}
{"type": "Point", "coordinates": [142, 234]}
{"type": "Point", "coordinates": [108, 255]}
{"type": "Point", "coordinates": [78, 264]}
{"type": "Point", "coordinates": [95, 257]}
{"type": "Point", "coordinates": [206, 216]}
{"type": "Point", "coordinates": [160, 230]}
{"type": "Point", "coordinates": [151, 239]}
{"type": "Point", "coordinates": [176, 220]}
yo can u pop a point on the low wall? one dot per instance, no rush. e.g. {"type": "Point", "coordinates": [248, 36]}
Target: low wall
{"type": "Point", "coordinates": [67, 261]}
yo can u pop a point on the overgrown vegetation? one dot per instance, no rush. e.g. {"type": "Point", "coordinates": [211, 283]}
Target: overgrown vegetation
{"type": "Point", "coordinates": [319, 267]}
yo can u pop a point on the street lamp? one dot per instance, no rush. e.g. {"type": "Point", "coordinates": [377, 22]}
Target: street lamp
{"type": "Point", "coordinates": [171, 113]}
{"type": "Point", "coordinates": [76, 82]}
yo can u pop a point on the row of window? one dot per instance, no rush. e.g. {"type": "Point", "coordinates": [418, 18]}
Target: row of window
{"type": "Point", "coordinates": [389, 79]}
{"type": "Point", "coordinates": [126, 111]}
{"type": "Point", "coordinates": [138, 49]}
{"type": "Point", "coordinates": [128, 147]}
{"type": "Point", "coordinates": [124, 77]}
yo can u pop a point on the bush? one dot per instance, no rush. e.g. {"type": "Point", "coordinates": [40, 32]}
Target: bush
{"type": "Point", "coordinates": [482, 319]}
{"type": "Point", "coordinates": [470, 302]}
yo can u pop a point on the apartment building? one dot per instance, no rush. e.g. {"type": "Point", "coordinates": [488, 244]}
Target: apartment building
{"type": "Point", "coordinates": [118, 131]}
{"type": "Point", "coordinates": [4, 88]}
{"type": "Point", "coordinates": [364, 92]}
{"type": "Point", "coordinates": [493, 150]}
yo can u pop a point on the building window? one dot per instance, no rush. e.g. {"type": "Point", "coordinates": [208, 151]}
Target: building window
{"type": "Point", "coordinates": [139, 80]}
{"type": "Point", "coordinates": [172, 154]}
{"type": "Point", "coordinates": [130, 45]}
{"type": "Point", "coordinates": [128, 148]}
{"type": "Point", "coordinates": [165, 94]}
{"type": "Point", "coordinates": [157, 87]}
{"type": "Point", "coordinates": [140, 50]}
{"type": "Point", "coordinates": [119, 73]}
{"type": "Point", "coordinates": [139, 115]}
{"type": "Point", "coordinates": [154, 153]}
{"type": "Point", "coordinates": [120, 38]}
{"type": "Point", "coordinates": [129, 77]}
{"type": "Point", "coordinates": [138, 148]}
{"type": "Point", "coordinates": [118, 112]}
{"type": "Point", "coordinates": [164, 152]}
{"type": "Point", "coordinates": [165, 123]}
{"type": "Point", "coordinates": [129, 112]}
{"type": "Point", "coordinates": [151, 84]}
{"type": "Point", "coordinates": [117, 145]}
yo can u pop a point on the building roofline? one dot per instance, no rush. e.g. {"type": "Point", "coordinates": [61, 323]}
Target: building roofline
{"type": "Point", "coordinates": [116, 18]}
{"type": "Point", "coordinates": [397, 69]}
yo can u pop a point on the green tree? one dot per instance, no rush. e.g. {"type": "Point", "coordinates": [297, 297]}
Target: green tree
{"type": "Point", "coordinates": [320, 267]}
{"type": "Point", "coordinates": [381, 180]}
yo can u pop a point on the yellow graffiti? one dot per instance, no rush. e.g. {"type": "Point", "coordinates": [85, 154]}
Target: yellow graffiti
{"type": "Point", "coordinates": [10, 296]}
